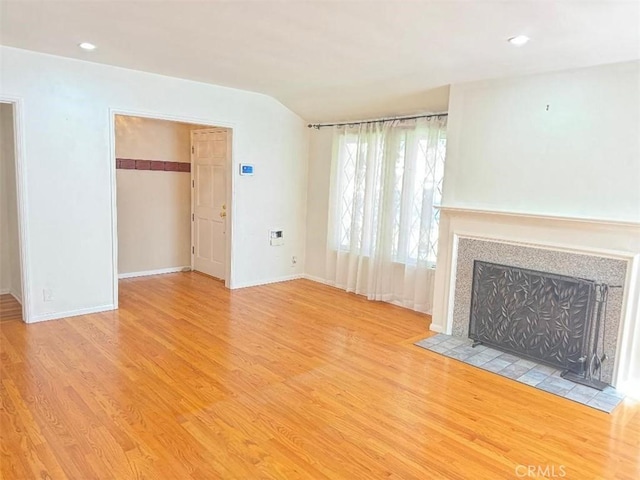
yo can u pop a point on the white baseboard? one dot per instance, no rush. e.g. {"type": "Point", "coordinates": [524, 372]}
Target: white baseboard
{"type": "Point", "coordinates": [148, 273]}
{"type": "Point", "coordinates": [436, 328]}
{"type": "Point", "coordinates": [72, 313]}
{"type": "Point", "coordinates": [17, 296]}
{"type": "Point", "coordinates": [285, 278]}
{"type": "Point", "coordinates": [313, 278]}
{"type": "Point", "coordinates": [13, 293]}
{"type": "Point", "coordinates": [630, 389]}
{"type": "Point", "coordinates": [397, 303]}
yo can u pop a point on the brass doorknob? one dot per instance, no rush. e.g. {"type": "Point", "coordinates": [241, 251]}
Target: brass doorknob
{"type": "Point", "coordinates": [223, 214]}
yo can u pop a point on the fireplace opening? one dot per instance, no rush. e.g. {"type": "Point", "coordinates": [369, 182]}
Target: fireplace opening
{"type": "Point", "coordinates": [553, 319]}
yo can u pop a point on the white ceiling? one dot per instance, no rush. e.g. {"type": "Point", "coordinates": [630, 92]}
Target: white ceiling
{"type": "Point", "coordinates": [332, 60]}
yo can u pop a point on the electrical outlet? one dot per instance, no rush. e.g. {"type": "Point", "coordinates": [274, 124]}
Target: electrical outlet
{"type": "Point", "coordinates": [47, 294]}
{"type": "Point", "coordinates": [294, 261]}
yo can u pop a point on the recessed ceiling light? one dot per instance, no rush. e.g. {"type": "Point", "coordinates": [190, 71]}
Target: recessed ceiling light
{"type": "Point", "coordinates": [87, 46]}
{"type": "Point", "coordinates": [518, 40]}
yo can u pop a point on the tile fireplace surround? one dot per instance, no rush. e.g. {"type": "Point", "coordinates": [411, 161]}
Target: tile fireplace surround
{"type": "Point", "coordinates": [600, 269]}
{"type": "Point", "coordinates": [604, 251]}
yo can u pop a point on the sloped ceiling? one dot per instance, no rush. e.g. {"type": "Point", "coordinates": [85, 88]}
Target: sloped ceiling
{"type": "Point", "coordinates": [332, 60]}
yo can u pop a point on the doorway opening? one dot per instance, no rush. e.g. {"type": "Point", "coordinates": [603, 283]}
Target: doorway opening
{"type": "Point", "coordinates": [173, 197]}
{"type": "Point", "coordinates": [11, 277]}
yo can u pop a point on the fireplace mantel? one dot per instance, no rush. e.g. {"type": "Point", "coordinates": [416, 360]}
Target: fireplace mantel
{"type": "Point", "coordinates": [539, 216]}
{"type": "Point", "coordinates": [602, 238]}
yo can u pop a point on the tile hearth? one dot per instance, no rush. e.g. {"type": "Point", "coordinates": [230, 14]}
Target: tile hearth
{"type": "Point", "coordinates": [531, 373]}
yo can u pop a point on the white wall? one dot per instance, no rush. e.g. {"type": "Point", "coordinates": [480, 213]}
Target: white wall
{"type": "Point", "coordinates": [6, 158]}
{"type": "Point", "coordinates": [151, 139]}
{"type": "Point", "coordinates": [578, 158]}
{"type": "Point", "coordinates": [10, 279]}
{"type": "Point", "coordinates": [154, 207]}
{"type": "Point", "coordinates": [67, 128]}
{"type": "Point", "coordinates": [318, 185]}
{"type": "Point", "coordinates": [154, 227]}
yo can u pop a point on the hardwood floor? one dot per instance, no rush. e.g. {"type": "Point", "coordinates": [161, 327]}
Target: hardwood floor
{"type": "Point", "coordinates": [10, 308]}
{"type": "Point", "coordinates": [287, 381]}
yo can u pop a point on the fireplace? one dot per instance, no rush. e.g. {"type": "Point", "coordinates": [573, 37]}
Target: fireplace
{"type": "Point", "coordinates": [606, 252]}
{"type": "Point", "coordinates": [549, 318]}
{"type": "Point", "coordinates": [600, 270]}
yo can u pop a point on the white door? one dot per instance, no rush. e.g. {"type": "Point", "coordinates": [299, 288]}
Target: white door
{"type": "Point", "coordinates": [210, 150]}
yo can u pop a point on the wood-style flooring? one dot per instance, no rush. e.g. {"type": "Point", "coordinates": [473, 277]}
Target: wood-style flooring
{"type": "Point", "coordinates": [188, 380]}
{"type": "Point", "coordinates": [10, 308]}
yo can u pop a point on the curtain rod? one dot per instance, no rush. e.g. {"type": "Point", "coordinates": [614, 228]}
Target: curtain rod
{"type": "Point", "coordinates": [318, 126]}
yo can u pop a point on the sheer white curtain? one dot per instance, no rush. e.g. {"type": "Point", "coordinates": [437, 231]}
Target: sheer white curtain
{"type": "Point", "coordinates": [383, 228]}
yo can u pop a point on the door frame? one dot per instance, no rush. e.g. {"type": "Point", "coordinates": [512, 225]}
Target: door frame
{"type": "Point", "coordinates": [213, 123]}
{"type": "Point", "coordinates": [228, 162]}
{"type": "Point", "coordinates": [22, 201]}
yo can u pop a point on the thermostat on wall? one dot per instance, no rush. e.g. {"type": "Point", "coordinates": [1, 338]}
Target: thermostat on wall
{"type": "Point", "coordinates": [246, 169]}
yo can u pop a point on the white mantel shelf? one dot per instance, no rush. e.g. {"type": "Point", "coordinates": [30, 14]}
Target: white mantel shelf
{"type": "Point", "coordinates": [534, 216]}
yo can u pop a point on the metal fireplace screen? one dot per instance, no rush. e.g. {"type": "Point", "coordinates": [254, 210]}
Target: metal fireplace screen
{"type": "Point", "coordinates": [537, 315]}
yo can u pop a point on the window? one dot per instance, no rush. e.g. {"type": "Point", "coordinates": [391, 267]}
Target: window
{"type": "Point", "coordinates": [388, 182]}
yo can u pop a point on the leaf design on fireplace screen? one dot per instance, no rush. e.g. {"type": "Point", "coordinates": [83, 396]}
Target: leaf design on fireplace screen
{"type": "Point", "coordinates": [532, 314]}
